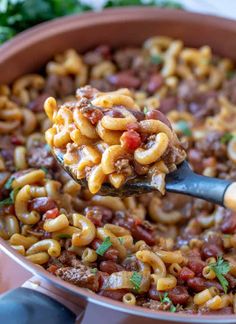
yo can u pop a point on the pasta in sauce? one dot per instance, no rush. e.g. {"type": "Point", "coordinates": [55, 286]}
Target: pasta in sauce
{"type": "Point", "coordinates": [105, 137]}
{"type": "Point", "coordinates": [170, 252]}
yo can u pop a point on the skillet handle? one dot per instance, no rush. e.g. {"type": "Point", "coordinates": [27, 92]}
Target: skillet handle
{"type": "Point", "coordinates": [25, 306]}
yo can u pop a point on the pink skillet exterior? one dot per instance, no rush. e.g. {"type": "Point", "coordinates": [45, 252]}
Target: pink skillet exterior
{"type": "Point", "coordinates": [28, 51]}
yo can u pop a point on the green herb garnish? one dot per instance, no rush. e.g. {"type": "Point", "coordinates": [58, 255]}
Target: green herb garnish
{"type": "Point", "coordinates": [184, 128]}
{"type": "Point", "coordinates": [5, 202]}
{"type": "Point", "coordinates": [64, 236]}
{"type": "Point", "coordinates": [156, 59]}
{"type": "Point", "coordinates": [45, 170]}
{"type": "Point", "coordinates": [230, 74]}
{"type": "Point", "coordinates": [9, 183]}
{"type": "Point", "coordinates": [226, 138]}
{"type": "Point", "coordinates": [94, 270]}
{"type": "Point", "coordinates": [221, 267]}
{"type": "Point", "coordinates": [136, 280]}
{"type": "Point", "coordinates": [121, 240]}
{"type": "Point", "coordinates": [165, 299]}
{"type": "Point", "coordinates": [145, 110]}
{"type": "Point", "coordinates": [11, 199]}
{"type": "Point", "coordinates": [104, 246]}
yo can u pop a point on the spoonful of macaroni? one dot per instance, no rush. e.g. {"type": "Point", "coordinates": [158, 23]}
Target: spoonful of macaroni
{"type": "Point", "coordinates": [109, 145]}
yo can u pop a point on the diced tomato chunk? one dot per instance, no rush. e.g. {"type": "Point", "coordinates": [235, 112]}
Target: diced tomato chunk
{"type": "Point", "coordinates": [53, 268]}
{"type": "Point", "coordinates": [52, 213]}
{"type": "Point", "coordinates": [130, 140]}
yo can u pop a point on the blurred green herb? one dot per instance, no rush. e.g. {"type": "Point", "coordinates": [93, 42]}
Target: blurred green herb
{"type": "Point", "coordinates": [156, 59]}
{"type": "Point", "coordinates": [226, 138]}
{"type": "Point", "coordinates": [18, 15]}
{"type": "Point", "coordinates": [221, 267]}
{"type": "Point", "coordinates": [184, 128]}
{"type": "Point", "coordinates": [165, 299]}
{"type": "Point", "coordinates": [9, 183]}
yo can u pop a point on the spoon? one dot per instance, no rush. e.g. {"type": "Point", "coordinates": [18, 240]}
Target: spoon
{"type": "Point", "coordinates": [183, 180]}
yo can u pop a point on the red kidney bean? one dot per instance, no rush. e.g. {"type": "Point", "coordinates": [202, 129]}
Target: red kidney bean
{"type": "Point", "coordinates": [111, 254]}
{"type": "Point", "coordinates": [186, 274]}
{"type": "Point", "coordinates": [98, 215]}
{"type": "Point", "coordinates": [115, 113]}
{"type": "Point", "coordinates": [104, 50]}
{"type": "Point", "coordinates": [158, 115]}
{"type": "Point", "coordinates": [113, 294]}
{"type": "Point", "coordinates": [155, 82]}
{"type": "Point", "coordinates": [196, 283]}
{"type": "Point", "coordinates": [110, 267]}
{"type": "Point", "coordinates": [42, 204]}
{"type": "Point", "coordinates": [213, 247]}
{"type": "Point", "coordinates": [195, 262]}
{"type": "Point", "coordinates": [228, 225]}
{"type": "Point", "coordinates": [124, 79]}
{"type": "Point", "coordinates": [153, 293]}
{"type": "Point", "coordinates": [94, 115]}
{"type": "Point", "coordinates": [17, 139]}
{"type": "Point", "coordinates": [179, 295]}
{"type": "Point", "coordinates": [139, 115]}
{"type": "Point", "coordinates": [213, 283]}
{"type": "Point", "coordinates": [196, 159]}
{"type": "Point", "coordinates": [37, 104]}
{"type": "Point", "coordinates": [168, 104]}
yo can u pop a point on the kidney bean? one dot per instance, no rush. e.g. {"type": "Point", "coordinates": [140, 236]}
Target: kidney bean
{"type": "Point", "coordinates": [115, 113]}
{"type": "Point", "coordinates": [141, 233]}
{"type": "Point", "coordinates": [213, 247]}
{"type": "Point", "coordinates": [110, 267]}
{"type": "Point", "coordinates": [232, 280]}
{"type": "Point", "coordinates": [37, 104]}
{"type": "Point", "coordinates": [179, 295]}
{"type": "Point", "coordinates": [196, 159]}
{"type": "Point", "coordinates": [93, 114]}
{"type": "Point", "coordinates": [213, 283]}
{"type": "Point", "coordinates": [99, 215]}
{"type": "Point", "coordinates": [158, 115]}
{"type": "Point", "coordinates": [104, 50]}
{"type": "Point", "coordinates": [124, 79]}
{"type": "Point", "coordinates": [153, 293]}
{"type": "Point", "coordinates": [139, 115]}
{"type": "Point", "coordinates": [168, 104]}
{"type": "Point", "coordinates": [17, 139]}
{"type": "Point", "coordinates": [113, 294]}
{"type": "Point", "coordinates": [186, 274]}
{"type": "Point", "coordinates": [195, 262]}
{"type": "Point", "coordinates": [111, 254]}
{"type": "Point", "coordinates": [155, 82]}
{"type": "Point", "coordinates": [42, 204]}
{"type": "Point", "coordinates": [196, 283]}
{"type": "Point", "coordinates": [228, 225]}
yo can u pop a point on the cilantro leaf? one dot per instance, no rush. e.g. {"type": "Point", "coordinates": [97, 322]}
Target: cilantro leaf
{"type": "Point", "coordinates": [45, 170]}
{"type": "Point", "coordinates": [5, 202]}
{"type": "Point", "coordinates": [9, 183]}
{"type": "Point", "coordinates": [64, 236]}
{"type": "Point", "coordinates": [172, 308]}
{"type": "Point", "coordinates": [165, 298]}
{"type": "Point", "coordinates": [136, 280]}
{"type": "Point", "coordinates": [226, 138]}
{"type": "Point", "coordinates": [156, 59]}
{"type": "Point", "coordinates": [104, 246]}
{"type": "Point", "coordinates": [10, 200]}
{"type": "Point", "coordinates": [94, 270]}
{"type": "Point", "coordinates": [184, 128]}
{"type": "Point", "coordinates": [121, 240]}
{"type": "Point", "coordinates": [221, 267]}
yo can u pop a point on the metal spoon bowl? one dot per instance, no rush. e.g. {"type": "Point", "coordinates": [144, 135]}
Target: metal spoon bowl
{"type": "Point", "coordinates": [183, 180]}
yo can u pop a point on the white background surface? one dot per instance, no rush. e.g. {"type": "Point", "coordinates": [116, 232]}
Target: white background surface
{"type": "Point", "coordinates": [225, 8]}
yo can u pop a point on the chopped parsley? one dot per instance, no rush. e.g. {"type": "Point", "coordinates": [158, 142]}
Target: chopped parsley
{"type": "Point", "coordinates": [226, 138]}
{"type": "Point", "coordinates": [8, 184]}
{"type": "Point", "coordinates": [121, 239]}
{"type": "Point", "coordinates": [94, 270]}
{"type": "Point", "coordinates": [5, 202]}
{"type": "Point", "coordinates": [221, 267]}
{"type": "Point", "coordinates": [156, 59]}
{"type": "Point", "coordinates": [10, 200]}
{"type": "Point", "coordinates": [45, 170]}
{"type": "Point", "coordinates": [230, 74]}
{"type": "Point", "coordinates": [136, 280]}
{"type": "Point", "coordinates": [165, 299]}
{"type": "Point", "coordinates": [104, 246]}
{"type": "Point", "coordinates": [184, 128]}
{"type": "Point", "coordinates": [64, 236]}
